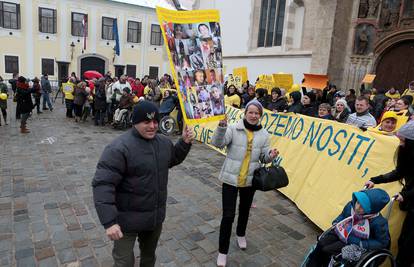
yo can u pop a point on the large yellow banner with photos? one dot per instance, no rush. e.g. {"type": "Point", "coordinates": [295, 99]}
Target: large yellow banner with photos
{"type": "Point", "coordinates": [325, 160]}
{"type": "Point", "coordinates": [193, 42]}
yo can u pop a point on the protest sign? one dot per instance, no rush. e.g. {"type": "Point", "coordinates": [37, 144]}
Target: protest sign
{"type": "Point", "coordinates": [283, 80]}
{"type": "Point", "coordinates": [369, 78]}
{"type": "Point", "coordinates": [325, 160]}
{"type": "Point", "coordinates": [266, 82]}
{"type": "Point", "coordinates": [234, 80]}
{"type": "Point", "coordinates": [242, 72]}
{"type": "Point", "coordinates": [315, 81]}
{"type": "Point", "coordinates": [193, 42]}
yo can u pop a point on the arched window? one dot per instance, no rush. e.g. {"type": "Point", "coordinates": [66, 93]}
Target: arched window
{"type": "Point", "coordinates": [272, 16]}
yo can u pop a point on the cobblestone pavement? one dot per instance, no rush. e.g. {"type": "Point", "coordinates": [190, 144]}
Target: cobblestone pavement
{"type": "Point", "coordinates": [47, 216]}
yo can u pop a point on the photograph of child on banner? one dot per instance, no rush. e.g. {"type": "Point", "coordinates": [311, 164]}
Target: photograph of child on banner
{"type": "Point", "coordinates": [196, 54]}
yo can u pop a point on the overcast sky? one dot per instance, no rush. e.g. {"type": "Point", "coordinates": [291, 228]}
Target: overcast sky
{"type": "Point", "coordinates": [148, 3]}
{"type": "Point", "coordinates": [186, 4]}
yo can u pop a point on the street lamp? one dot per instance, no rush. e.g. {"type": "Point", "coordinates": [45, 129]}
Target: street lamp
{"type": "Point", "coordinates": [72, 50]}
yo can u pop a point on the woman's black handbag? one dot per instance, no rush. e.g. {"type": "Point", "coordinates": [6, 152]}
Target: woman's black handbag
{"type": "Point", "coordinates": [269, 178]}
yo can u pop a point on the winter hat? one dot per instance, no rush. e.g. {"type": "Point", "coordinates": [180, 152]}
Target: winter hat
{"type": "Point", "coordinates": [312, 96]}
{"type": "Point", "coordinates": [407, 130]}
{"type": "Point", "coordinates": [363, 200]}
{"type": "Point", "coordinates": [296, 96]}
{"type": "Point", "coordinates": [145, 111]}
{"type": "Point", "coordinates": [256, 103]}
{"type": "Point", "coordinates": [339, 94]}
{"type": "Point", "coordinates": [343, 102]}
{"type": "Point", "coordinates": [389, 115]}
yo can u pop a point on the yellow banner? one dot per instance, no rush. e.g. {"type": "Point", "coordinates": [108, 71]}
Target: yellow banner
{"type": "Point", "coordinates": [194, 48]}
{"type": "Point", "coordinates": [266, 82]}
{"type": "Point", "coordinates": [242, 72]}
{"type": "Point", "coordinates": [284, 80]}
{"type": "Point", "coordinates": [325, 160]}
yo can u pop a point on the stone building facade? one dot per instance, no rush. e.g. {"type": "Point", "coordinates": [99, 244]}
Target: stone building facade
{"type": "Point", "coordinates": [63, 36]}
{"type": "Point", "coordinates": [344, 39]}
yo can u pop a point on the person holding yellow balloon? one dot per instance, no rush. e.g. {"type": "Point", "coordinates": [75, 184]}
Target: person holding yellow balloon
{"type": "Point", "coordinates": [3, 100]}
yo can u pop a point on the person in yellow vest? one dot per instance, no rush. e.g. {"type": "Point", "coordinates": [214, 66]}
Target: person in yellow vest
{"type": "Point", "coordinates": [409, 91]}
{"type": "Point", "coordinates": [164, 84]}
{"type": "Point", "coordinates": [393, 94]}
{"type": "Point", "coordinates": [232, 98]}
{"type": "Point", "coordinates": [69, 89]}
{"type": "Point", "coordinates": [247, 144]}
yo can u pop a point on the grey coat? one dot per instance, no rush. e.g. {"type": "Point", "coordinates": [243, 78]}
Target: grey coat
{"type": "Point", "coordinates": [235, 138]}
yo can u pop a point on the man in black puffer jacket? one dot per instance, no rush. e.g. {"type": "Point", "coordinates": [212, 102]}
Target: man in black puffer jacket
{"type": "Point", "coordinates": [130, 185]}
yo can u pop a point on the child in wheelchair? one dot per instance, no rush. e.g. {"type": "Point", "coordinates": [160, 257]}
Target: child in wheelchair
{"type": "Point", "coordinates": [125, 104]}
{"type": "Point", "coordinates": [358, 229]}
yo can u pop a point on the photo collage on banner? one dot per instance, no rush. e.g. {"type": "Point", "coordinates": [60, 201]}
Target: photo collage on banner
{"type": "Point", "coordinates": [196, 53]}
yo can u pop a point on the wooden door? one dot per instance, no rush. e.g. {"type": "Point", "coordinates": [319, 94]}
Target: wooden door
{"type": "Point", "coordinates": [396, 67]}
{"type": "Point", "coordinates": [92, 63]}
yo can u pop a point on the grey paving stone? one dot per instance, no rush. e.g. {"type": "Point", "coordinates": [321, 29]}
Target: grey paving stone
{"type": "Point", "coordinates": [24, 244]}
{"type": "Point", "coordinates": [207, 246]}
{"type": "Point", "coordinates": [46, 204]}
{"type": "Point", "coordinates": [164, 255]}
{"type": "Point", "coordinates": [24, 262]}
{"type": "Point", "coordinates": [89, 262]}
{"type": "Point", "coordinates": [24, 253]}
{"type": "Point", "coordinates": [52, 205]}
{"type": "Point", "coordinates": [196, 236]}
{"type": "Point", "coordinates": [66, 255]}
{"type": "Point", "coordinates": [182, 256]}
{"type": "Point", "coordinates": [48, 262]}
{"type": "Point", "coordinates": [296, 235]}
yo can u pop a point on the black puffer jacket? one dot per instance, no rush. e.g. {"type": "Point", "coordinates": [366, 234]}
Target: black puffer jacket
{"type": "Point", "coordinates": [310, 110]}
{"type": "Point", "coordinates": [279, 105]}
{"type": "Point", "coordinates": [100, 97]}
{"type": "Point", "coordinates": [24, 98]}
{"type": "Point", "coordinates": [297, 106]}
{"type": "Point", "coordinates": [130, 183]}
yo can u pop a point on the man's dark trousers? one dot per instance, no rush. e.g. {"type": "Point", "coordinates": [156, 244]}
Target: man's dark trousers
{"type": "Point", "coordinates": [123, 251]}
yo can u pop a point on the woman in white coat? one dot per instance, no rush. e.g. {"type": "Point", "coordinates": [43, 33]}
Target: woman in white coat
{"type": "Point", "coordinates": [247, 144]}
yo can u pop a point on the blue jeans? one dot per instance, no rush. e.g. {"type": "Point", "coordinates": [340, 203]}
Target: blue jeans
{"type": "Point", "coordinates": [46, 99]}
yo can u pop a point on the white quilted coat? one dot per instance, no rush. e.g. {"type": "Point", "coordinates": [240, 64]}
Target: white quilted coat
{"type": "Point", "coordinates": [235, 138]}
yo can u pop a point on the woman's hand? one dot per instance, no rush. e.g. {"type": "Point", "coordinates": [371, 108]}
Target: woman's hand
{"type": "Point", "coordinates": [369, 184]}
{"type": "Point", "coordinates": [273, 153]}
{"type": "Point", "coordinates": [223, 122]}
{"type": "Point", "coordinates": [399, 198]}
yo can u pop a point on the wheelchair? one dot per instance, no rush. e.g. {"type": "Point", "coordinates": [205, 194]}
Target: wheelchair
{"type": "Point", "coordinates": [372, 258]}
{"type": "Point", "coordinates": [168, 123]}
{"type": "Point", "coordinates": [124, 122]}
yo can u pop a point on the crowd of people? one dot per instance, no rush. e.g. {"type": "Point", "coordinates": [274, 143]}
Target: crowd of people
{"type": "Point", "coordinates": [118, 174]}
{"type": "Point", "coordinates": [106, 99]}
{"type": "Point", "coordinates": [383, 111]}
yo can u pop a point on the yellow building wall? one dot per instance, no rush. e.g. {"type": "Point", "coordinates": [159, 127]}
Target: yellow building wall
{"type": "Point", "coordinates": [58, 45]}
